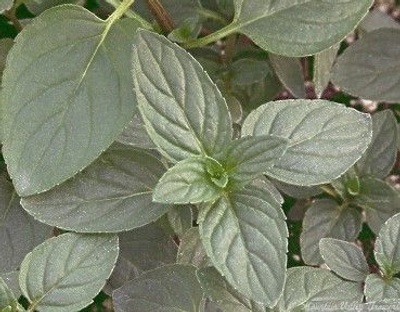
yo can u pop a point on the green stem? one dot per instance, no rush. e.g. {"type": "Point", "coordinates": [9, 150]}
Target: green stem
{"type": "Point", "coordinates": [129, 13]}
{"type": "Point", "coordinates": [215, 36]}
{"type": "Point", "coordinates": [120, 10]}
{"type": "Point", "coordinates": [212, 15]}
{"type": "Point", "coordinates": [329, 190]}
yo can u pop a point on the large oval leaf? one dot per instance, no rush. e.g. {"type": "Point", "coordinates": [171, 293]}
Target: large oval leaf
{"type": "Point", "coordinates": [368, 68]}
{"type": "Point", "coordinates": [170, 288]}
{"type": "Point", "coordinates": [66, 272]}
{"type": "Point", "coordinates": [325, 138]}
{"type": "Point", "coordinates": [19, 232]}
{"type": "Point", "coordinates": [66, 97]}
{"type": "Point", "coordinates": [300, 27]}
{"type": "Point", "coordinates": [184, 112]}
{"type": "Point", "coordinates": [245, 235]}
{"type": "Point", "coordinates": [113, 194]}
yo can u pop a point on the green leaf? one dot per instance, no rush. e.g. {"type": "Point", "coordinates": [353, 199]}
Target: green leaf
{"type": "Point", "coordinates": [362, 71]}
{"type": "Point", "coordinates": [224, 295]}
{"type": "Point", "coordinates": [19, 232]}
{"type": "Point", "coordinates": [248, 157]}
{"type": "Point", "coordinates": [190, 181]}
{"type": "Point", "coordinates": [325, 138]}
{"type": "Point", "coordinates": [66, 272]}
{"type": "Point", "coordinates": [387, 246]}
{"type": "Point", "coordinates": [290, 73]}
{"type": "Point", "coordinates": [37, 7]}
{"type": "Point", "coordinates": [113, 194]}
{"type": "Point", "coordinates": [376, 19]}
{"type": "Point", "coordinates": [245, 235]}
{"type": "Point", "coordinates": [5, 5]}
{"type": "Point", "coordinates": [323, 63]}
{"type": "Point", "coordinates": [297, 191]}
{"type": "Point", "coordinates": [380, 156]}
{"type": "Point", "coordinates": [184, 112]}
{"type": "Point", "coordinates": [66, 98]}
{"type": "Point", "coordinates": [313, 285]}
{"type": "Point", "coordinates": [5, 46]}
{"type": "Point", "coordinates": [246, 71]}
{"type": "Point", "coordinates": [380, 200]}
{"type": "Point", "coordinates": [325, 218]}
{"type": "Point", "coordinates": [344, 258]}
{"type": "Point", "coordinates": [180, 219]}
{"type": "Point", "coordinates": [170, 288]}
{"type": "Point", "coordinates": [141, 250]}
{"type": "Point", "coordinates": [297, 28]}
{"type": "Point", "coordinates": [11, 280]}
{"type": "Point", "coordinates": [191, 250]}
{"type": "Point", "coordinates": [7, 298]}
{"type": "Point", "coordinates": [135, 134]}
{"type": "Point", "coordinates": [377, 289]}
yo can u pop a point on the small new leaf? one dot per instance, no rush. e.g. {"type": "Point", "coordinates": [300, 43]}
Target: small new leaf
{"type": "Point", "coordinates": [193, 180]}
{"type": "Point", "coordinates": [344, 258]}
{"type": "Point", "coordinates": [249, 157]}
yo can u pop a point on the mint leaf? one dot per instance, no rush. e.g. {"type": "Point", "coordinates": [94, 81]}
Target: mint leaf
{"type": "Point", "coordinates": [191, 250]}
{"type": "Point", "coordinates": [66, 98]}
{"type": "Point", "coordinates": [380, 201]}
{"type": "Point", "coordinates": [378, 289]}
{"type": "Point", "coordinates": [344, 258]}
{"type": "Point", "coordinates": [325, 138]}
{"type": "Point", "coordinates": [387, 246]}
{"type": "Point", "coordinates": [245, 235]}
{"type": "Point", "coordinates": [290, 73]}
{"type": "Point", "coordinates": [224, 295]}
{"type": "Point", "coordinates": [65, 272]}
{"type": "Point", "coordinates": [172, 288]}
{"type": "Point", "coordinates": [193, 180]}
{"type": "Point", "coordinates": [119, 184]}
{"type": "Point", "coordinates": [325, 218]}
{"type": "Point", "coordinates": [380, 156]}
{"type": "Point", "coordinates": [323, 63]}
{"type": "Point", "coordinates": [297, 28]}
{"type": "Point", "coordinates": [362, 71]}
{"type": "Point", "coordinates": [317, 286]}
{"type": "Point", "coordinates": [184, 112]}
{"type": "Point", "coordinates": [248, 157]}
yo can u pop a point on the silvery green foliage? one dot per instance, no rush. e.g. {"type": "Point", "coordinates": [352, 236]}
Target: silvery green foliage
{"type": "Point", "coordinates": [165, 171]}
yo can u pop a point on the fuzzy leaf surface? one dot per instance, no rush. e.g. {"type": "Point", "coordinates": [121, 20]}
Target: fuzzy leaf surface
{"type": "Point", "coordinates": [325, 138]}
{"type": "Point", "coordinates": [184, 112]}
{"type": "Point", "coordinates": [299, 27]}
{"type": "Point", "coordinates": [170, 288]}
{"type": "Point", "coordinates": [245, 235]}
{"type": "Point", "coordinates": [363, 71]}
{"type": "Point", "coordinates": [325, 218]}
{"type": "Point", "coordinates": [66, 272]}
{"type": "Point", "coordinates": [66, 98]}
{"type": "Point", "coordinates": [344, 258]}
{"type": "Point", "coordinates": [377, 289]}
{"type": "Point", "coordinates": [113, 194]}
{"type": "Point", "coordinates": [380, 156]}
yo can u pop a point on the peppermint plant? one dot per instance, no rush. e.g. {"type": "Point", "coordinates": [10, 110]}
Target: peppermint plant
{"type": "Point", "coordinates": [171, 155]}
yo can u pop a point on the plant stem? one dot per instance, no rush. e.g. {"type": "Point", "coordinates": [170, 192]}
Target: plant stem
{"type": "Point", "coordinates": [212, 15]}
{"type": "Point", "coordinates": [13, 19]}
{"type": "Point", "coordinates": [215, 36]}
{"type": "Point", "coordinates": [120, 10]}
{"type": "Point", "coordinates": [329, 190]}
{"type": "Point", "coordinates": [161, 15]}
{"type": "Point", "coordinates": [131, 14]}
